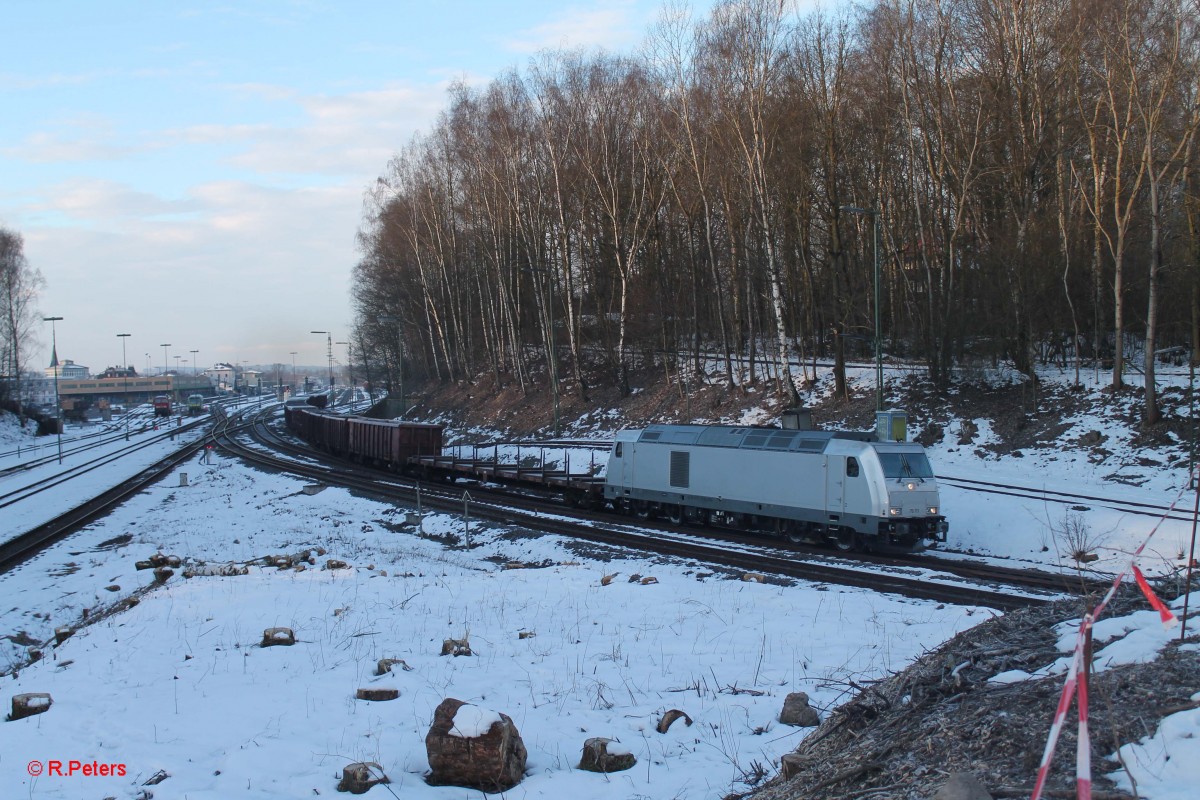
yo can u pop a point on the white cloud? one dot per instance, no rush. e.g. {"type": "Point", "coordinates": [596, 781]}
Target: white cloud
{"type": "Point", "coordinates": [610, 25]}
{"type": "Point", "coordinates": [94, 200]}
{"type": "Point", "coordinates": [83, 138]}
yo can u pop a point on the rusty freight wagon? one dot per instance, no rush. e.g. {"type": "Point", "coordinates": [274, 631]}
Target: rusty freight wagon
{"type": "Point", "coordinates": [391, 443]}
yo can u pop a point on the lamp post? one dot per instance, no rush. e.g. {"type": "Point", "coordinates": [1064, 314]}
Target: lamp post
{"type": "Point", "coordinates": [125, 372]}
{"type": "Point", "coordinates": [54, 364]}
{"type": "Point", "coordinates": [329, 357]}
{"type": "Point", "coordinates": [874, 214]}
{"type": "Point", "coordinates": [195, 363]}
{"type": "Point", "coordinates": [349, 369]}
{"type": "Point", "coordinates": [165, 378]}
{"type": "Point", "coordinates": [293, 372]}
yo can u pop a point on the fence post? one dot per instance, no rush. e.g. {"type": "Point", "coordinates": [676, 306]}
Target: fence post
{"type": "Point", "coordinates": [467, 518]}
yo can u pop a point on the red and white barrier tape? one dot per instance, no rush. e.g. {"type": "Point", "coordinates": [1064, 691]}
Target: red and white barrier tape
{"type": "Point", "coordinates": [1077, 674]}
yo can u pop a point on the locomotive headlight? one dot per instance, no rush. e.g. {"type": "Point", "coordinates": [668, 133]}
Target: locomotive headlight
{"type": "Point", "coordinates": [894, 511]}
{"type": "Point", "coordinates": [933, 509]}
{"type": "Point", "coordinates": [911, 486]}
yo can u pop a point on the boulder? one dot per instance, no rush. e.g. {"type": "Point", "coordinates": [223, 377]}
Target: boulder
{"type": "Point", "coordinates": [796, 711]}
{"type": "Point", "coordinates": [360, 776]}
{"type": "Point", "coordinates": [473, 747]}
{"type": "Point", "coordinates": [603, 755]}
{"type": "Point", "coordinates": [962, 786]}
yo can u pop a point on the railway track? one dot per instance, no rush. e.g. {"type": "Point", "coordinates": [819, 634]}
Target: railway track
{"type": "Point", "coordinates": [31, 490]}
{"type": "Point", "coordinates": [25, 545]}
{"type": "Point", "coordinates": [76, 445]}
{"type": "Point", "coordinates": [1156, 510]}
{"type": "Point", "coordinates": [730, 551]}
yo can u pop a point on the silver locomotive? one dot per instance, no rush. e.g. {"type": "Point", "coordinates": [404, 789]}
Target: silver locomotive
{"type": "Point", "coordinates": [854, 490]}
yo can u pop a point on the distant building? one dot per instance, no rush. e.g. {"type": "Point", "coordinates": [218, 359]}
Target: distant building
{"type": "Point", "coordinates": [222, 376]}
{"type": "Point", "coordinates": [66, 369]}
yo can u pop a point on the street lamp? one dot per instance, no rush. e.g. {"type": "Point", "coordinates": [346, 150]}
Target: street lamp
{"type": "Point", "coordinates": [165, 378]}
{"type": "Point", "coordinates": [329, 357]}
{"type": "Point", "coordinates": [293, 372]}
{"type": "Point", "coordinates": [874, 214]}
{"type": "Point", "coordinates": [195, 363]}
{"type": "Point", "coordinates": [54, 364]}
{"type": "Point", "coordinates": [125, 372]}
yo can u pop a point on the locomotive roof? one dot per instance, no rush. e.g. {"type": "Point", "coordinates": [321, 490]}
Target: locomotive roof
{"type": "Point", "coordinates": [747, 437]}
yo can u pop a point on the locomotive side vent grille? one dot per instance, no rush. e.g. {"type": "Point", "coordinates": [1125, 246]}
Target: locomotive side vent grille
{"type": "Point", "coordinates": [681, 469]}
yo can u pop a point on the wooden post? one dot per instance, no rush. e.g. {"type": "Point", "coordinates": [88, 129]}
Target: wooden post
{"type": "Point", "coordinates": [467, 518]}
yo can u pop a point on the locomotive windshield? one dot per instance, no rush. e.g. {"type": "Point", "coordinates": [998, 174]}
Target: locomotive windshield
{"type": "Point", "coordinates": [905, 465]}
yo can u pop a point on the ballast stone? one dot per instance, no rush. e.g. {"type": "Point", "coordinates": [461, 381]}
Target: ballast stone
{"type": "Point", "coordinates": [493, 761]}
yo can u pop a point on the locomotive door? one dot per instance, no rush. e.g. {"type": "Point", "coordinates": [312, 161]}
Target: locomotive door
{"type": "Point", "coordinates": [835, 485]}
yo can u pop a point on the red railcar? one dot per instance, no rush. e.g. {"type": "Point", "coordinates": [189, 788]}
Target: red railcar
{"type": "Point", "coordinates": [332, 432]}
{"type": "Point", "coordinates": [392, 442]}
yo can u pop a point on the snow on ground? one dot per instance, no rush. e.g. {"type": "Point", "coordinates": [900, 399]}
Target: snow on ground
{"type": "Point", "coordinates": [21, 517]}
{"type": "Point", "coordinates": [11, 432]}
{"type": "Point", "coordinates": [179, 683]}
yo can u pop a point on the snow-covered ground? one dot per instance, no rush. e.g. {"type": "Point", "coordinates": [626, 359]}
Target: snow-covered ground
{"type": "Point", "coordinates": [179, 682]}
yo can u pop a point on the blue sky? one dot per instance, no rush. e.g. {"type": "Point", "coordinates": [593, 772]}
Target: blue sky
{"type": "Point", "coordinates": [193, 172]}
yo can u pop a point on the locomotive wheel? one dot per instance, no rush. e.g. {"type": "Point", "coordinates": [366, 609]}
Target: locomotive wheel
{"type": "Point", "coordinates": [847, 540]}
{"type": "Point", "coordinates": [675, 514]}
{"type": "Point", "coordinates": [790, 529]}
{"type": "Point", "coordinates": [642, 510]}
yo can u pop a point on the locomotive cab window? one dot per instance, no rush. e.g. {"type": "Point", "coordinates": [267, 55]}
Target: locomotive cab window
{"type": "Point", "coordinates": [617, 450]}
{"type": "Point", "coordinates": [851, 467]}
{"type": "Point", "coordinates": [901, 466]}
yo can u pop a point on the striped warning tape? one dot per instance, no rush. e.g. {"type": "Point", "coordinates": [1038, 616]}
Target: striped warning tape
{"type": "Point", "coordinates": [1075, 687]}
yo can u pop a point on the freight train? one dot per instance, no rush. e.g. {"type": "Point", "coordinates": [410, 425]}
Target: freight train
{"type": "Point", "coordinates": [856, 491]}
